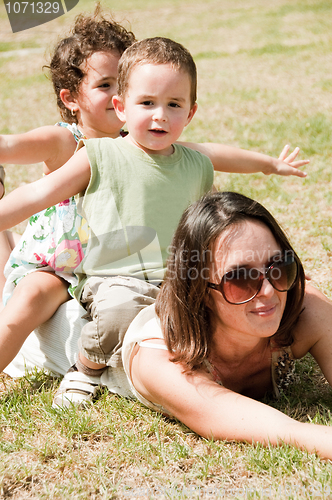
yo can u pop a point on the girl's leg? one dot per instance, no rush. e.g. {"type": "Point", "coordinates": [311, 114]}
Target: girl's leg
{"type": "Point", "coordinates": [7, 242]}
{"type": "Point", "coordinates": [35, 299]}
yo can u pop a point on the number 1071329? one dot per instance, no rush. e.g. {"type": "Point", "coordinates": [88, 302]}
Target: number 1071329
{"type": "Point", "coordinates": [33, 7]}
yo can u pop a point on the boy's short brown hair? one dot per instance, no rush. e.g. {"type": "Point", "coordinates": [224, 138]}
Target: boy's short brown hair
{"type": "Point", "coordinates": [157, 50]}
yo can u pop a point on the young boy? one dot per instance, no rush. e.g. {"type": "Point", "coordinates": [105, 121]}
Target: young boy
{"type": "Point", "coordinates": [135, 190]}
{"type": "Point", "coordinates": [144, 183]}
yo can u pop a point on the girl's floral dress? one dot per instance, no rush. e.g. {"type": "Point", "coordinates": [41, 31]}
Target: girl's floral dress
{"type": "Point", "coordinates": [54, 240]}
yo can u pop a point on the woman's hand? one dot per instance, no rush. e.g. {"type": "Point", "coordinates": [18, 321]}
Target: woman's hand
{"type": "Point", "coordinates": [215, 412]}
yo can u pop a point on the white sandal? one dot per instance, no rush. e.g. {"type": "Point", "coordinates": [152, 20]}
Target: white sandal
{"type": "Point", "coordinates": [76, 389]}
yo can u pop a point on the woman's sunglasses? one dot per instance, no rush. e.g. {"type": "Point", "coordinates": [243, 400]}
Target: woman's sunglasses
{"type": "Point", "coordinates": [243, 284]}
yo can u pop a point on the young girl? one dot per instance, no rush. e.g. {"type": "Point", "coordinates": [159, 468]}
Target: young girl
{"type": "Point", "coordinates": [84, 72]}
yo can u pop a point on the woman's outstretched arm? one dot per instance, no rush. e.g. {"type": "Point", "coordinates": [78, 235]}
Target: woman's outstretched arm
{"type": "Point", "coordinates": [215, 412]}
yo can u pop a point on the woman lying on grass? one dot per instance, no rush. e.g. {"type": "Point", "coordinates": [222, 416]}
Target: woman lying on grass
{"type": "Point", "coordinates": [232, 319]}
{"type": "Point", "coordinates": [225, 329]}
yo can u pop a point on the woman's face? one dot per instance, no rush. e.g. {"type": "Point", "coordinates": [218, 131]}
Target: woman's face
{"type": "Point", "coordinates": [250, 245]}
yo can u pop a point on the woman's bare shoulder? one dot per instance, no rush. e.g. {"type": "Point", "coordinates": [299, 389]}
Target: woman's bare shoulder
{"type": "Point", "coordinates": [315, 321]}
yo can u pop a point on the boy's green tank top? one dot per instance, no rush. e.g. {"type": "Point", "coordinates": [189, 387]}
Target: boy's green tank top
{"type": "Point", "coordinates": [133, 204]}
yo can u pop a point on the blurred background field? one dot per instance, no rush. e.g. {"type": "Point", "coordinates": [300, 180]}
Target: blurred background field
{"type": "Point", "coordinates": [265, 80]}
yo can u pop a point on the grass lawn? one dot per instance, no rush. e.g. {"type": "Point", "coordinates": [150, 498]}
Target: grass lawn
{"type": "Point", "coordinates": [265, 80]}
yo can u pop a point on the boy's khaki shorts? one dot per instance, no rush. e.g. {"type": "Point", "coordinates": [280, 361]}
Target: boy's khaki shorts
{"type": "Point", "coordinates": [111, 304]}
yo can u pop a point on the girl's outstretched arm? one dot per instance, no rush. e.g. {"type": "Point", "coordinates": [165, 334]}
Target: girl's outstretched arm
{"type": "Point", "coordinates": [27, 200]}
{"type": "Point", "coordinates": [51, 145]}
{"type": "Point", "coordinates": [236, 160]}
{"type": "Point", "coordinates": [215, 412]}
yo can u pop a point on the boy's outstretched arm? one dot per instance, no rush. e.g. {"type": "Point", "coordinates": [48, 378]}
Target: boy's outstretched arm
{"type": "Point", "coordinates": [236, 160]}
{"type": "Point", "coordinates": [27, 200]}
{"type": "Point", "coordinates": [51, 145]}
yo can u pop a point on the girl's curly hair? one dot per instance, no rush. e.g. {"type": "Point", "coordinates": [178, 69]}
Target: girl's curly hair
{"type": "Point", "coordinates": [90, 33]}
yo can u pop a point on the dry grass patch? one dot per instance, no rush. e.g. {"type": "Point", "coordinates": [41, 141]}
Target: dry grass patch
{"type": "Point", "coordinates": [119, 449]}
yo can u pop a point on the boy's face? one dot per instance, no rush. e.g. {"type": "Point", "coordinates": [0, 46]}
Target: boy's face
{"type": "Point", "coordinates": [156, 107]}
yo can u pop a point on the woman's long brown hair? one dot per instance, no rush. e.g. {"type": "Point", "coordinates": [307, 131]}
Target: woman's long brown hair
{"type": "Point", "coordinates": [181, 302]}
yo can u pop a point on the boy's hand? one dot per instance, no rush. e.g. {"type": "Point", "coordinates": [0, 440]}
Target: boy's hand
{"type": "Point", "coordinates": [285, 165]}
